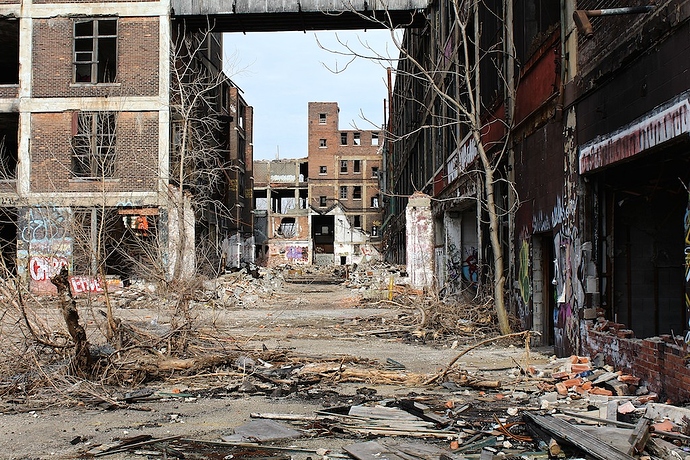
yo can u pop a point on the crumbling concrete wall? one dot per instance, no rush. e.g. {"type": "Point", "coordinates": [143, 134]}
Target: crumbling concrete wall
{"type": "Point", "coordinates": [420, 241]}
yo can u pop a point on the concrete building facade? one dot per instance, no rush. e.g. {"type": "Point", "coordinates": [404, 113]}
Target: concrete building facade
{"type": "Point", "coordinates": [87, 111]}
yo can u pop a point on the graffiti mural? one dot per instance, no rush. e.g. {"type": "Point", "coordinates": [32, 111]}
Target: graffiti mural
{"type": "Point", "coordinates": [297, 254]}
{"type": "Point", "coordinates": [84, 284]}
{"type": "Point", "coordinates": [570, 293]}
{"type": "Point", "coordinates": [45, 245]}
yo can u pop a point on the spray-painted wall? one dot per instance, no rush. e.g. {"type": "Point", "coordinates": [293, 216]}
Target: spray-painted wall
{"type": "Point", "coordinates": [420, 241]}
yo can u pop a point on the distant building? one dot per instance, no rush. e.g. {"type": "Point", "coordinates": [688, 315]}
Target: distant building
{"type": "Point", "coordinates": [324, 209]}
{"type": "Point", "coordinates": [344, 192]}
{"type": "Point", "coordinates": [281, 212]}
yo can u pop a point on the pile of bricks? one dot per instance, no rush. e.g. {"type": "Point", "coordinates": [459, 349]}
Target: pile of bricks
{"type": "Point", "coordinates": [578, 376]}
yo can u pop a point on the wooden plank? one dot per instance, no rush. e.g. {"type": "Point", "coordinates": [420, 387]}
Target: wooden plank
{"type": "Point", "coordinates": [639, 437]}
{"type": "Point", "coordinates": [577, 437]}
{"type": "Point", "coordinates": [371, 450]}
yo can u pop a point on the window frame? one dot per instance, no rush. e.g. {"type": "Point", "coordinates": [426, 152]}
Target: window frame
{"type": "Point", "coordinates": [93, 148]}
{"type": "Point", "coordinates": [343, 138]}
{"type": "Point", "coordinates": [323, 170]}
{"type": "Point", "coordinates": [323, 201]}
{"type": "Point", "coordinates": [343, 192]}
{"type": "Point", "coordinates": [322, 118]}
{"type": "Point", "coordinates": [323, 143]}
{"type": "Point", "coordinates": [91, 56]}
{"type": "Point", "coordinates": [375, 139]}
{"type": "Point", "coordinates": [357, 192]}
{"type": "Point", "coordinates": [343, 166]}
{"type": "Point", "coordinates": [357, 166]}
{"type": "Point", "coordinates": [357, 139]}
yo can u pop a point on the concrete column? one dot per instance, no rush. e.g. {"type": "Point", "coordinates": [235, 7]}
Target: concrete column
{"type": "Point", "coordinates": [420, 241]}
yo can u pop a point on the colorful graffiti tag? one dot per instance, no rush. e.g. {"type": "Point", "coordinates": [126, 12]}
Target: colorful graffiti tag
{"type": "Point", "coordinates": [42, 268]}
{"type": "Point", "coordinates": [297, 254]}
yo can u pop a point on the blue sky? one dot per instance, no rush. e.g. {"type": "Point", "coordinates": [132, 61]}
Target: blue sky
{"type": "Point", "coordinates": [280, 72]}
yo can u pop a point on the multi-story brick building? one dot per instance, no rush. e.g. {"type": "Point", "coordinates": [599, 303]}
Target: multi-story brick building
{"type": "Point", "coordinates": [324, 209]}
{"type": "Point", "coordinates": [344, 190]}
{"type": "Point", "coordinates": [282, 211]}
{"type": "Point", "coordinates": [88, 110]}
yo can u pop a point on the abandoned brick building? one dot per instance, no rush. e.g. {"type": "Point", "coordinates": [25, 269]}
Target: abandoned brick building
{"type": "Point", "coordinates": [100, 172]}
{"type": "Point", "coordinates": [324, 209]}
{"type": "Point", "coordinates": [588, 134]}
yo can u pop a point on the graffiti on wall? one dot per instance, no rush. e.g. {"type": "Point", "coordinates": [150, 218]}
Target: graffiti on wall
{"type": "Point", "coordinates": [569, 292]}
{"type": "Point", "coordinates": [44, 232]}
{"type": "Point", "coordinates": [42, 268]}
{"type": "Point", "coordinates": [524, 273]}
{"type": "Point", "coordinates": [297, 254]}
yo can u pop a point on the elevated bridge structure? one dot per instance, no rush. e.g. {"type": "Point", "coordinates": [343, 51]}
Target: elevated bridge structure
{"type": "Point", "coordinates": [295, 15]}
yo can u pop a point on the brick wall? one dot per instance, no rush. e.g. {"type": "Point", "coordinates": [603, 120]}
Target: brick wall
{"type": "Point", "coordinates": [137, 55]}
{"type": "Point", "coordinates": [136, 151]}
{"type": "Point", "coordinates": [660, 362]}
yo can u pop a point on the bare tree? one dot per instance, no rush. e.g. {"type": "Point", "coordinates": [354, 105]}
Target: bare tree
{"type": "Point", "coordinates": [451, 86]}
{"type": "Point", "coordinates": [199, 151]}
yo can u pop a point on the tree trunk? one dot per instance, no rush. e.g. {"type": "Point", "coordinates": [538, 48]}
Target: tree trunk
{"type": "Point", "coordinates": [81, 365]}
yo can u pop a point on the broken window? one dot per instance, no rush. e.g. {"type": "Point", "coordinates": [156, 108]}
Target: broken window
{"type": "Point", "coordinates": [343, 138]}
{"type": "Point", "coordinates": [357, 166]}
{"type": "Point", "coordinates": [357, 140]}
{"type": "Point", "coordinates": [374, 230]}
{"type": "Point", "coordinates": [288, 227]}
{"type": "Point", "coordinates": [374, 201]}
{"type": "Point", "coordinates": [323, 170]}
{"type": "Point", "coordinates": [343, 192]}
{"type": "Point", "coordinates": [357, 192]}
{"type": "Point", "coordinates": [9, 58]}
{"type": "Point", "coordinates": [322, 201]}
{"type": "Point", "coordinates": [374, 171]}
{"type": "Point", "coordinates": [375, 139]}
{"type": "Point", "coordinates": [322, 143]}
{"type": "Point", "coordinates": [343, 166]}
{"type": "Point", "coordinates": [95, 50]}
{"type": "Point", "coordinates": [322, 118]}
{"type": "Point", "coordinates": [357, 221]}
{"type": "Point", "coordinates": [93, 145]}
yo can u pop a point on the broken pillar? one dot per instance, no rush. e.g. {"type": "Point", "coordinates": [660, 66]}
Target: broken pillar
{"type": "Point", "coordinates": [420, 241]}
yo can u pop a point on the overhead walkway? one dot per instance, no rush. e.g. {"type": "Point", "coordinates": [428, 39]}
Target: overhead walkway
{"type": "Point", "coordinates": [304, 15]}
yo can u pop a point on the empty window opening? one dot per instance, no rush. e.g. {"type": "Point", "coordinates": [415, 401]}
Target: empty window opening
{"type": "Point", "coordinates": [322, 118]}
{"type": "Point", "coordinates": [322, 201]}
{"type": "Point", "coordinates": [357, 192]}
{"type": "Point", "coordinates": [375, 139]}
{"type": "Point", "coordinates": [322, 143]}
{"type": "Point", "coordinates": [357, 221]}
{"type": "Point", "coordinates": [303, 199]}
{"type": "Point", "coordinates": [95, 50]}
{"type": "Point", "coordinates": [343, 166]}
{"type": "Point", "coordinates": [374, 171]}
{"type": "Point", "coordinates": [288, 227]}
{"type": "Point", "coordinates": [357, 140]}
{"type": "Point", "coordinates": [93, 145]}
{"type": "Point", "coordinates": [343, 138]}
{"type": "Point", "coordinates": [9, 145]}
{"type": "Point", "coordinates": [343, 192]}
{"type": "Point", "coordinates": [357, 166]}
{"type": "Point", "coordinates": [9, 58]}
{"type": "Point", "coordinates": [374, 230]}
{"type": "Point", "coordinates": [323, 170]}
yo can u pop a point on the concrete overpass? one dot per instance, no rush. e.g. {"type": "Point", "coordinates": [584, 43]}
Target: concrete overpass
{"type": "Point", "coordinates": [295, 15]}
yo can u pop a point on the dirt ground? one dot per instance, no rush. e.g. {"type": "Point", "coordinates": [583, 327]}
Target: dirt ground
{"type": "Point", "coordinates": [307, 319]}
